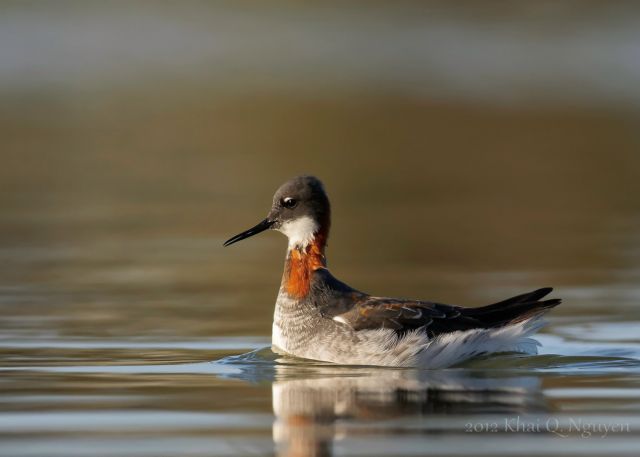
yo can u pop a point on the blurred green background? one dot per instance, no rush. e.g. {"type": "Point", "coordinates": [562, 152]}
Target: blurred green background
{"type": "Point", "coordinates": [471, 150]}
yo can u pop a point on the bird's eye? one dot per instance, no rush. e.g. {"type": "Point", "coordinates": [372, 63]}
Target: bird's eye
{"type": "Point", "coordinates": [289, 202]}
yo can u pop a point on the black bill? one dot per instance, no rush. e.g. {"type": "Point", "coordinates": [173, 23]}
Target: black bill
{"type": "Point", "coordinates": [261, 227]}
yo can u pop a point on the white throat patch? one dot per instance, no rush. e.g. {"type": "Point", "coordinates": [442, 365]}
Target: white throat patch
{"type": "Point", "coordinates": [300, 231]}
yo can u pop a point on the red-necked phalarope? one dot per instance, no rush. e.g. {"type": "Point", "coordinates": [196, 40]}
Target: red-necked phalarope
{"type": "Point", "coordinates": [319, 317]}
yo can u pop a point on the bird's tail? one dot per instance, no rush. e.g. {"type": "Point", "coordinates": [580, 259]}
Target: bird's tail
{"type": "Point", "coordinates": [515, 309]}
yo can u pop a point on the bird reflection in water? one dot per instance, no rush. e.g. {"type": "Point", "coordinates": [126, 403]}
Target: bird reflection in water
{"type": "Point", "coordinates": [316, 405]}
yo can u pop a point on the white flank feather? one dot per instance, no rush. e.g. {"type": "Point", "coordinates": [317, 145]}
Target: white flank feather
{"type": "Point", "coordinates": [452, 348]}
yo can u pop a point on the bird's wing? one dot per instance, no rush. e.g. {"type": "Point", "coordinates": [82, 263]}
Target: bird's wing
{"type": "Point", "coordinates": [402, 315]}
{"type": "Point", "coordinates": [436, 318]}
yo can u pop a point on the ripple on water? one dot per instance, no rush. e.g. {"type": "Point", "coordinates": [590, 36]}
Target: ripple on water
{"type": "Point", "coordinates": [176, 401]}
{"type": "Point", "coordinates": [601, 347]}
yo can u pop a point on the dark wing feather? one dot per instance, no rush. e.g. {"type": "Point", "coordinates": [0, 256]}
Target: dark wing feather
{"type": "Point", "coordinates": [436, 318]}
{"type": "Point", "coordinates": [404, 315]}
{"type": "Point", "coordinates": [529, 297]}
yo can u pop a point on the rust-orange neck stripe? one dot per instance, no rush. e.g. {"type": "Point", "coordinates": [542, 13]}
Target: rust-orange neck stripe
{"type": "Point", "coordinates": [301, 263]}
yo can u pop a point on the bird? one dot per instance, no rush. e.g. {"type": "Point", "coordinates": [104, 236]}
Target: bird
{"type": "Point", "coordinates": [321, 318]}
